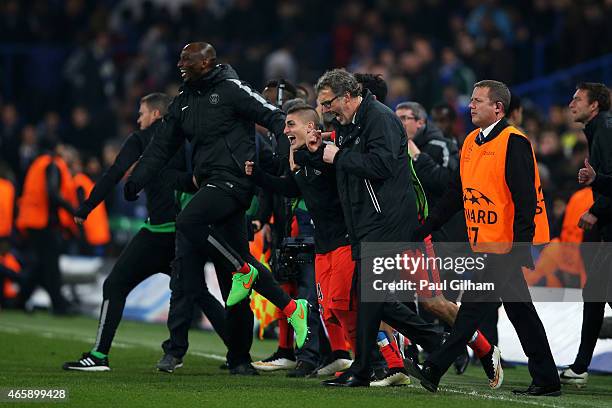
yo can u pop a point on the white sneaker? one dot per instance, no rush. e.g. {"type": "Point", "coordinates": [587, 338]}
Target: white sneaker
{"type": "Point", "coordinates": [491, 363]}
{"type": "Point", "coordinates": [568, 376]}
{"type": "Point", "coordinates": [393, 377]}
{"type": "Point", "coordinates": [339, 364]}
{"type": "Point", "coordinates": [275, 362]}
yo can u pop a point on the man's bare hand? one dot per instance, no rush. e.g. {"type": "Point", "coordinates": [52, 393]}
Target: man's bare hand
{"type": "Point", "coordinates": [329, 153]}
{"type": "Point", "coordinates": [586, 175]}
{"type": "Point", "coordinates": [248, 167]}
{"type": "Point", "coordinates": [587, 221]}
{"type": "Point", "coordinates": [413, 150]}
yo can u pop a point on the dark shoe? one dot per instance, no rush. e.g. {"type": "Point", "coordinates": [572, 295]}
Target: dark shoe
{"type": "Point", "coordinates": [244, 369]}
{"type": "Point", "coordinates": [70, 310]}
{"type": "Point", "coordinates": [428, 375]}
{"type": "Point", "coordinates": [491, 364]}
{"type": "Point", "coordinates": [224, 366]}
{"type": "Point", "coordinates": [412, 352]}
{"type": "Point", "coordinates": [540, 391]}
{"type": "Point", "coordinates": [88, 362]}
{"type": "Point", "coordinates": [168, 363]}
{"type": "Point", "coordinates": [302, 369]}
{"type": "Point", "coordinates": [461, 363]}
{"type": "Point", "coordinates": [346, 380]}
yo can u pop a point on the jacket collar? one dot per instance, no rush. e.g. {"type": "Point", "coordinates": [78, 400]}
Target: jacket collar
{"type": "Point", "coordinates": [593, 124]}
{"type": "Point", "coordinates": [501, 125]}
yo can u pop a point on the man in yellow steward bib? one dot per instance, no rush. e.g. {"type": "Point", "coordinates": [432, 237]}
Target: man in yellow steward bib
{"type": "Point", "coordinates": [498, 188]}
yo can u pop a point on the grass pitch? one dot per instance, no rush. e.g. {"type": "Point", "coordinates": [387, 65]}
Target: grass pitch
{"type": "Point", "coordinates": [33, 348]}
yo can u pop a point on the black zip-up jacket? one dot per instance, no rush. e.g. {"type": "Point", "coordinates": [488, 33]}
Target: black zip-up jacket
{"type": "Point", "coordinates": [438, 160]}
{"type": "Point", "coordinates": [599, 136]}
{"type": "Point", "coordinates": [161, 205]}
{"type": "Point", "coordinates": [320, 193]}
{"type": "Point", "coordinates": [435, 167]}
{"type": "Point", "coordinates": [217, 114]}
{"type": "Point", "coordinates": [374, 178]}
{"type": "Point", "coordinates": [520, 178]}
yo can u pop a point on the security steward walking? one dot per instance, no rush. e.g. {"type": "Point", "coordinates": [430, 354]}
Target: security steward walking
{"type": "Point", "coordinates": [45, 213]}
{"type": "Point", "coordinates": [499, 190]}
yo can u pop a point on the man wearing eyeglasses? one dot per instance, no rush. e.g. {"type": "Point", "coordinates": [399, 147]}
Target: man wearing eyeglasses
{"type": "Point", "coordinates": [379, 204]}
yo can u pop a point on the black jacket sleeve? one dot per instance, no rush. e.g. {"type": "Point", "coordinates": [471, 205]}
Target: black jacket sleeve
{"type": "Point", "coordinates": [166, 141]}
{"type": "Point", "coordinates": [383, 143]}
{"type": "Point", "coordinates": [53, 176]}
{"type": "Point", "coordinates": [449, 203]}
{"type": "Point", "coordinates": [602, 185]}
{"type": "Point", "coordinates": [264, 212]}
{"type": "Point", "coordinates": [439, 172]}
{"type": "Point", "coordinates": [130, 152]}
{"type": "Point", "coordinates": [520, 178]}
{"type": "Point", "coordinates": [602, 163]}
{"type": "Point", "coordinates": [252, 106]}
{"type": "Point", "coordinates": [281, 185]}
{"type": "Point", "coordinates": [175, 174]}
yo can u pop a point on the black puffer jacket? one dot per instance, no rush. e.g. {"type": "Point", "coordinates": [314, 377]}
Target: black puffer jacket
{"type": "Point", "coordinates": [217, 114]}
{"type": "Point", "coordinates": [373, 176]}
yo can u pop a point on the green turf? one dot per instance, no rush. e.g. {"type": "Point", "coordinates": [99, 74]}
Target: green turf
{"type": "Point", "coordinates": [33, 348]}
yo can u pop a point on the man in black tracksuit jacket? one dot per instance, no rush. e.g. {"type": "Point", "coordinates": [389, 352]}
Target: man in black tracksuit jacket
{"type": "Point", "coordinates": [590, 106]}
{"type": "Point", "coordinates": [151, 250]}
{"type": "Point", "coordinates": [378, 201]}
{"type": "Point", "coordinates": [216, 113]}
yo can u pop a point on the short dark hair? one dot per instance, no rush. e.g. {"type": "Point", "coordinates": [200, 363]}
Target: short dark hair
{"type": "Point", "coordinates": [157, 101]}
{"type": "Point", "coordinates": [374, 83]}
{"type": "Point", "coordinates": [498, 92]}
{"type": "Point", "coordinates": [417, 109]}
{"type": "Point", "coordinates": [291, 103]}
{"type": "Point", "coordinates": [446, 109]}
{"type": "Point", "coordinates": [515, 103]}
{"type": "Point", "coordinates": [305, 110]}
{"type": "Point", "coordinates": [290, 89]}
{"type": "Point", "coordinates": [597, 92]}
{"type": "Point", "coordinates": [340, 81]}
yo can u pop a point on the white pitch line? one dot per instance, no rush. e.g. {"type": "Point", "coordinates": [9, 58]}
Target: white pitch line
{"type": "Point", "coordinates": [500, 398]}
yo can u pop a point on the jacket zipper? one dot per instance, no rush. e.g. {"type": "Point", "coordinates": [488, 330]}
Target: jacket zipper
{"type": "Point", "coordinates": [372, 196]}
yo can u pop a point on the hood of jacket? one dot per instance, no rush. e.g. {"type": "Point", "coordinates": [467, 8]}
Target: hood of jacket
{"type": "Point", "coordinates": [427, 133]}
{"type": "Point", "coordinates": [219, 73]}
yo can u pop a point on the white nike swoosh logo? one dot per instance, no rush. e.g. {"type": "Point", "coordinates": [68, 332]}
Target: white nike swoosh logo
{"type": "Point", "coordinates": [184, 107]}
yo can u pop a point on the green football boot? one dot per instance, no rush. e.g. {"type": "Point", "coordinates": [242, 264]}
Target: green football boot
{"type": "Point", "coordinates": [299, 322]}
{"type": "Point", "coordinates": [242, 283]}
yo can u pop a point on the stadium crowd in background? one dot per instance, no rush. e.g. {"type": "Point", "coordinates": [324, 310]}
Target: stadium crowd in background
{"type": "Point", "coordinates": [101, 57]}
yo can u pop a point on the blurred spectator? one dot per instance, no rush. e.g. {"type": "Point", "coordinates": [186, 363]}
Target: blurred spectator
{"type": "Point", "coordinates": [9, 136]}
{"type": "Point", "coordinates": [444, 117]}
{"type": "Point", "coordinates": [550, 154]}
{"type": "Point", "coordinates": [28, 149]}
{"type": "Point", "coordinates": [90, 73]}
